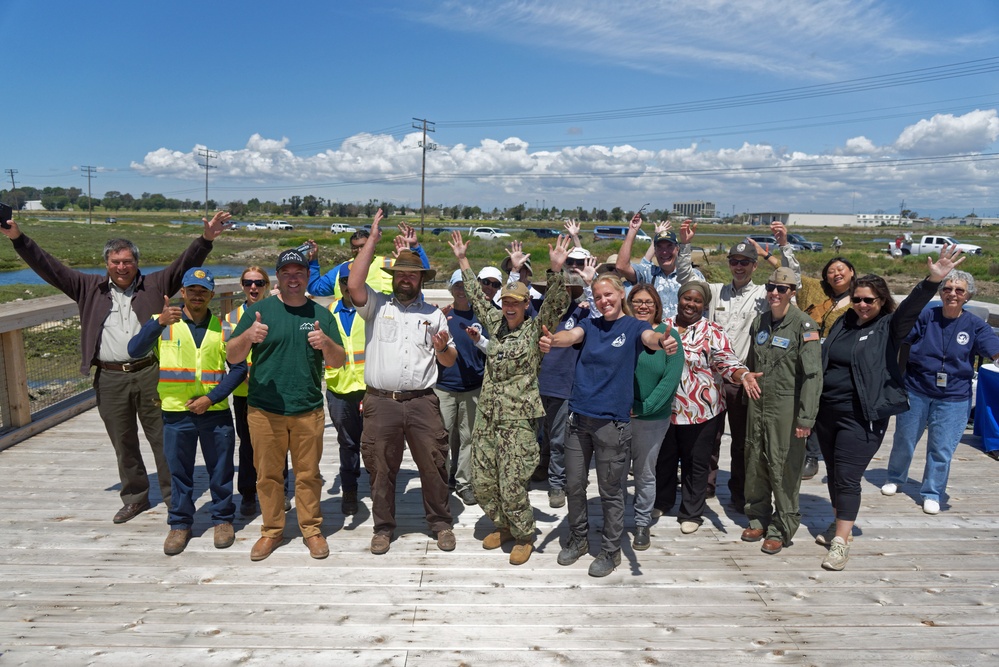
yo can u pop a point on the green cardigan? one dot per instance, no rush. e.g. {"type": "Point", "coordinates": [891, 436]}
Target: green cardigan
{"type": "Point", "coordinates": [657, 375]}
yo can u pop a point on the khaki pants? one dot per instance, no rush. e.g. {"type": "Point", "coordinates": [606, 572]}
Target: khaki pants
{"type": "Point", "coordinates": [274, 436]}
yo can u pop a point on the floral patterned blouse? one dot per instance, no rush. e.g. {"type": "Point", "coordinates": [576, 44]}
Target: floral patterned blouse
{"type": "Point", "coordinates": [710, 361]}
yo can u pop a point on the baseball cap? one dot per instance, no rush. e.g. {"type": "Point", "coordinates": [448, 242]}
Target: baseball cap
{"type": "Point", "coordinates": [783, 276]}
{"type": "Point", "coordinates": [743, 249]}
{"type": "Point", "coordinates": [456, 278]}
{"type": "Point", "coordinates": [199, 276]}
{"type": "Point", "coordinates": [291, 257]}
{"type": "Point", "coordinates": [490, 272]}
{"type": "Point", "coordinates": [666, 236]}
{"type": "Point", "coordinates": [579, 253]}
{"type": "Point", "coordinates": [516, 291]}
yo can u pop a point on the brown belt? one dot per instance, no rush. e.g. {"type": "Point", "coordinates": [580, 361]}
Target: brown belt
{"type": "Point", "coordinates": [399, 395]}
{"type": "Point", "coordinates": [128, 366]}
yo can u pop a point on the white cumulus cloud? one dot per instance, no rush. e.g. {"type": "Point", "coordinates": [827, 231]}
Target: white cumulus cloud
{"type": "Point", "coordinates": [946, 134]}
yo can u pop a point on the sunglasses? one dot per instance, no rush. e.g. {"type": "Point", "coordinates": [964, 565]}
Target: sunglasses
{"type": "Point", "coordinates": [491, 283]}
{"type": "Point", "coordinates": [781, 289]}
{"type": "Point", "coordinates": [572, 261]}
{"type": "Point", "coordinates": [864, 299]}
{"type": "Point", "coordinates": [740, 262]}
{"type": "Point", "coordinates": [258, 283]}
{"type": "Point", "coordinates": [954, 290]}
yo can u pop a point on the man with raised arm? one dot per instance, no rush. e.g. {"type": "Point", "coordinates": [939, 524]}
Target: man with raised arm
{"type": "Point", "coordinates": [661, 274]}
{"type": "Point", "coordinates": [406, 338]}
{"type": "Point", "coordinates": [113, 307]}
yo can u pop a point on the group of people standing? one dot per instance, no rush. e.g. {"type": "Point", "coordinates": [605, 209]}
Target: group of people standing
{"type": "Point", "coordinates": [631, 365]}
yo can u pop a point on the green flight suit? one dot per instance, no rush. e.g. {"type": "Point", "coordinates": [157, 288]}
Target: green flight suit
{"type": "Point", "coordinates": [790, 358]}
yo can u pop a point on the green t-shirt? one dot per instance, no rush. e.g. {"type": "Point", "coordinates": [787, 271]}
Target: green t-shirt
{"type": "Point", "coordinates": [286, 377]}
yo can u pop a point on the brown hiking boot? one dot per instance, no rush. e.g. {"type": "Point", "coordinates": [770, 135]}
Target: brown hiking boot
{"type": "Point", "coordinates": [521, 552]}
{"type": "Point", "coordinates": [176, 541]}
{"type": "Point", "coordinates": [496, 538]}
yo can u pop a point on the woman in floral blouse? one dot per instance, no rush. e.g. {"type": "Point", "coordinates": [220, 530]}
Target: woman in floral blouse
{"type": "Point", "coordinates": [697, 407]}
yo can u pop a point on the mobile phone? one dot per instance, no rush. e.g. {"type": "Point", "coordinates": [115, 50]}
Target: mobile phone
{"type": "Point", "coordinates": [6, 213]}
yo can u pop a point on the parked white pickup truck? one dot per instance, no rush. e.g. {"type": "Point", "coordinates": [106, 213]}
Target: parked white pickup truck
{"type": "Point", "coordinates": [279, 225]}
{"type": "Point", "coordinates": [934, 243]}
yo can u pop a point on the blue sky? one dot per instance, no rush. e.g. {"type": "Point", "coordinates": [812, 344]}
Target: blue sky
{"type": "Point", "coordinates": [566, 102]}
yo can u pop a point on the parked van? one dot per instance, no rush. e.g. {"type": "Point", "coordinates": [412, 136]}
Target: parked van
{"type": "Point", "coordinates": [617, 234]}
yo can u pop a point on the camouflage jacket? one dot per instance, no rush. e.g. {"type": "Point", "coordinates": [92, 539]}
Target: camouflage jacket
{"type": "Point", "coordinates": [510, 383]}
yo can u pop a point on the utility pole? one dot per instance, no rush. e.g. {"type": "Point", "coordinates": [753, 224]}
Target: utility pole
{"type": "Point", "coordinates": [13, 186]}
{"type": "Point", "coordinates": [89, 173]}
{"type": "Point", "coordinates": [208, 155]}
{"type": "Point", "coordinates": [426, 126]}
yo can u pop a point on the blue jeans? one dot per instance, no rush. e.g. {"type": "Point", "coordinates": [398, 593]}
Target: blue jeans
{"type": "Point", "coordinates": [181, 432]}
{"type": "Point", "coordinates": [556, 423]}
{"type": "Point", "coordinates": [646, 440]}
{"type": "Point", "coordinates": [345, 413]}
{"type": "Point", "coordinates": [946, 421]}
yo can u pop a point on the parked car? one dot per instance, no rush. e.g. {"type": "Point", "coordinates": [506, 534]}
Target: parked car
{"type": "Point", "coordinates": [110, 221]}
{"type": "Point", "coordinates": [437, 231]}
{"type": "Point", "coordinates": [617, 234]}
{"type": "Point", "coordinates": [769, 243]}
{"type": "Point", "coordinates": [543, 232]}
{"type": "Point", "coordinates": [814, 246]}
{"type": "Point", "coordinates": [340, 228]}
{"type": "Point", "coordinates": [279, 225]}
{"type": "Point", "coordinates": [488, 233]}
{"type": "Point", "coordinates": [255, 226]}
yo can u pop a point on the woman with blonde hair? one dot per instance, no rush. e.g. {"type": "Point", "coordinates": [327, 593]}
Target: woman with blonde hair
{"type": "Point", "coordinates": [600, 415]}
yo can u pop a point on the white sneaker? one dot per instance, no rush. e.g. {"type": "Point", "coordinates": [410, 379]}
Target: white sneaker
{"type": "Point", "coordinates": [889, 489]}
{"type": "Point", "coordinates": [839, 553]}
{"type": "Point", "coordinates": [931, 507]}
{"type": "Point", "coordinates": [688, 527]}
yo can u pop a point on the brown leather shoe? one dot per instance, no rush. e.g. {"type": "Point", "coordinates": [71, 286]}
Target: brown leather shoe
{"type": "Point", "coordinates": [445, 540]}
{"type": "Point", "coordinates": [176, 541]}
{"type": "Point", "coordinates": [772, 546]}
{"type": "Point", "coordinates": [380, 543]}
{"type": "Point", "coordinates": [224, 536]}
{"type": "Point", "coordinates": [521, 552]}
{"type": "Point", "coordinates": [317, 546]}
{"type": "Point", "coordinates": [264, 547]}
{"type": "Point", "coordinates": [496, 538]}
{"type": "Point", "coordinates": [753, 534]}
{"type": "Point", "coordinates": [130, 511]}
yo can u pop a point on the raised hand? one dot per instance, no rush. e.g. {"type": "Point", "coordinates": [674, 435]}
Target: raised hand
{"type": "Point", "coordinates": [376, 233]}
{"type": "Point", "coordinates": [11, 232]}
{"type": "Point", "coordinates": [636, 222]}
{"type": "Point", "coordinates": [779, 232]}
{"type": "Point", "coordinates": [589, 270]}
{"type": "Point", "coordinates": [458, 246]}
{"type": "Point", "coordinates": [663, 226]}
{"type": "Point", "coordinates": [400, 244]}
{"type": "Point", "coordinates": [170, 314]}
{"type": "Point", "coordinates": [474, 334]}
{"type": "Point", "coordinates": [687, 230]}
{"type": "Point", "coordinates": [517, 256]}
{"type": "Point", "coordinates": [257, 331]}
{"type": "Point", "coordinates": [949, 259]}
{"type": "Point", "coordinates": [313, 250]}
{"type": "Point", "coordinates": [408, 234]}
{"type": "Point", "coordinates": [572, 229]}
{"type": "Point", "coordinates": [218, 224]}
{"type": "Point", "coordinates": [559, 253]}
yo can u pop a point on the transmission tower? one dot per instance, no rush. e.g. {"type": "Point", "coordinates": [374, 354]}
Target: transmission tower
{"type": "Point", "coordinates": [426, 126]}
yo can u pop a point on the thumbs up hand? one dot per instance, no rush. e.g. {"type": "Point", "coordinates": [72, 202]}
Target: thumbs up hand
{"type": "Point", "coordinates": [317, 337]}
{"type": "Point", "coordinates": [545, 342]}
{"type": "Point", "coordinates": [258, 330]}
{"type": "Point", "coordinates": [170, 314]}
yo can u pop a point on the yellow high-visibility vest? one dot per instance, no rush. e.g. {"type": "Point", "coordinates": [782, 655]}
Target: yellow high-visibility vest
{"type": "Point", "coordinates": [350, 377]}
{"type": "Point", "coordinates": [232, 319]}
{"type": "Point", "coordinates": [188, 371]}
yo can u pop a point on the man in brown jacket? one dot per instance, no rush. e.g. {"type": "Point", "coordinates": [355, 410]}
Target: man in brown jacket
{"type": "Point", "coordinates": [112, 309]}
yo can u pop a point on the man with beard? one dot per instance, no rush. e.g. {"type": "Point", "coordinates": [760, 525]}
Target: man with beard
{"type": "Point", "coordinates": [406, 337]}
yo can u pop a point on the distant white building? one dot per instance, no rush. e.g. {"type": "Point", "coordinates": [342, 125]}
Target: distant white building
{"type": "Point", "coordinates": [694, 209]}
{"type": "Point", "coordinates": [828, 219]}
{"type": "Point", "coordinates": [33, 205]}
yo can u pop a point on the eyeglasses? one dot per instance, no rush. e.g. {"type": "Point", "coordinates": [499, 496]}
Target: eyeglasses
{"type": "Point", "coordinates": [258, 283]}
{"type": "Point", "coordinates": [865, 299]}
{"type": "Point", "coordinates": [781, 289]}
{"type": "Point", "coordinates": [732, 261]}
{"type": "Point", "coordinates": [648, 303]}
{"type": "Point", "coordinates": [954, 290]}
{"type": "Point", "coordinates": [572, 261]}
{"type": "Point", "coordinates": [491, 283]}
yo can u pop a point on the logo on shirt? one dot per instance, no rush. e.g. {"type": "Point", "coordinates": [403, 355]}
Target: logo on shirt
{"type": "Point", "coordinates": [307, 326]}
{"type": "Point", "coordinates": [963, 338]}
{"type": "Point", "coordinates": [619, 341]}
{"type": "Point", "coordinates": [570, 323]}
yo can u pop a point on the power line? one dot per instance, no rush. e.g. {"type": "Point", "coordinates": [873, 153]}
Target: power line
{"type": "Point", "coordinates": [427, 126]}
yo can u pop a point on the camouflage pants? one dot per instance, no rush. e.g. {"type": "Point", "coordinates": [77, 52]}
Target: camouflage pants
{"type": "Point", "coordinates": [504, 455]}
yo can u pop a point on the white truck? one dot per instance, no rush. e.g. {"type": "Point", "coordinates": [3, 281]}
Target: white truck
{"type": "Point", "coordinates": [932, 244]}
{"type": "Point", "coordinates": [279, 225]}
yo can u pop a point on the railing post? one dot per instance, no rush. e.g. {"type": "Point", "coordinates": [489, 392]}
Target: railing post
{"type": "Point", "coordinates": [16, 404]}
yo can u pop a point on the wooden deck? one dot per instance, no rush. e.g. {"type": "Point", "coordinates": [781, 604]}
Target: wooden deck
{"type": "Point", "coordinates": [77, 589]}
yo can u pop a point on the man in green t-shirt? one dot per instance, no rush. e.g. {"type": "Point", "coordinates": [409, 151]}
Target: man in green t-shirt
{"type": "Point", "coordinates": [292, 338]}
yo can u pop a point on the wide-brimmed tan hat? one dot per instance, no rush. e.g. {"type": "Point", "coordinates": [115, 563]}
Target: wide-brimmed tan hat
{"type": "Point", "coordinates": [410, 261]}
{"type": "Point", "coordinates": [609, 264]}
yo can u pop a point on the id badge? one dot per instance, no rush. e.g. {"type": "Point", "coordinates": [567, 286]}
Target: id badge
{"type": "Point", "coordinates": [941, 380]}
